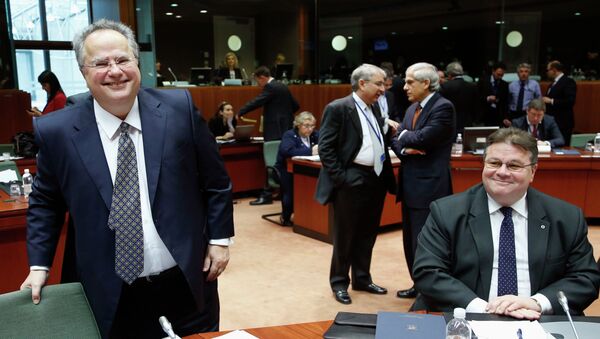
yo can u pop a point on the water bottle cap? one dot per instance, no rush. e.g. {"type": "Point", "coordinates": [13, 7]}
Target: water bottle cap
{"type": "Point", "coordinates": [27, 169]}
{"type": "Point", "coordinates": [460, 134]}
{"type": "Point", "coordinates": [460, 313]}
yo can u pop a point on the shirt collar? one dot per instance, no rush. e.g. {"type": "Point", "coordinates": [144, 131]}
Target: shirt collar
{"type": "Point", "coordinates": [359, 101]}
{"type": "Point", "coordinates": [520, 206]}
{"type": "Point", "coordinates": [426, 100]}
{"type": "Point", "coordinates": [110, 124]}
{"type": "Point", "coordinates": [558, 77]}
{"type": "Point", "coordinates": [529, 123]}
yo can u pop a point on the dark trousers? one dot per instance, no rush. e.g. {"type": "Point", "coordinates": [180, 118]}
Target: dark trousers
{"type": "Point", "coordinates": [413, 220]}
{"type": "Point", "coordinates": [357, 208]}
{"type": "Point", "coordinates": [169, 295]}
{"type": "Point", "coordinates": [287, 194]}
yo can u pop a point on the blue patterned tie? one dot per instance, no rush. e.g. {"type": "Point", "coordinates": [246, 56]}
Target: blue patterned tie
{"type": "Point", "coordinates": [125, 216]}
{"type": "Point", "coordinates": [507, 263]}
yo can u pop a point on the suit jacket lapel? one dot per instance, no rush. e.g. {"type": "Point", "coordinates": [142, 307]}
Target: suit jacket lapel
{"type": "Point", "coordinates": [153, 130]}
{"type": "Point", "coordinates": [481, 229]}
{"type": "Point", "coordinates": [425, 111]}
{"type": "Point", "coordinates": [86, 140]}
{"type": "Point", "coordinates": [353, 112]}
{"type": "Point", "coordinates": [537, 239]}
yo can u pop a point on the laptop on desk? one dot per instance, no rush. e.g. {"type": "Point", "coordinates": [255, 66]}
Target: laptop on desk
{"type": "Point", "coordinates": [243, 132]}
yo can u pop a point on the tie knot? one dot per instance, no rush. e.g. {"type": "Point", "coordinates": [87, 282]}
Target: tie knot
{"type": "Point", "coordinates": [522, 83]}
{"type": "Point", "coordinates": [124, 128]}
{"type": "Point", "coordinates": [507, 211]}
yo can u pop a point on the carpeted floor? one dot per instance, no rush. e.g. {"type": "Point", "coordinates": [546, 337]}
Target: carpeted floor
{"type": "Point", "coordinates": [277, 277]}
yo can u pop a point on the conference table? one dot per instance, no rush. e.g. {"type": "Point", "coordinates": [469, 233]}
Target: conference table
{"type": "Point", "coordinates": [573, 178]}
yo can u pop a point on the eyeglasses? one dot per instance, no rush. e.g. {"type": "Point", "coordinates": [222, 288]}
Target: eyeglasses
{"type": "Point", "coordinates": [378, 83]}
{"type": "Point", "coordinates": [511, 166]}
{"type": "Point", "coordinates": [310, 126]}
{"type": "Point", "coordinates": [105, 65]}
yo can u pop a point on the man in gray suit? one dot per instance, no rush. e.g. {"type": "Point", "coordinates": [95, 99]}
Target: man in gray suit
{"type": "Point", "coordinates": [355, 175]}
{"type": "Point", "coordinates": [503, 247]}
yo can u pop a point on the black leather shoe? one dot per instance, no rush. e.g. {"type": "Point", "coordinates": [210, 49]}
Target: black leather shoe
{"type": "Point", "coordinates": [342, 296]}
{"type": "Point", "coordinates": [285, 222]}
{"type": "Point", "coordinates": [262, 201]}
{"type": "Point", "coordinates": [409, 293]}
{"type": "Point", "coordinates": [371, 288]}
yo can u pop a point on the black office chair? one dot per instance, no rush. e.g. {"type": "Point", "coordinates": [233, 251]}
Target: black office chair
{"type": "Point", "coordinates": [270, 149]}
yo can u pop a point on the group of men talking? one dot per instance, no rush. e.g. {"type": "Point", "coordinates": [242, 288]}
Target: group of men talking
{"type": "Point", "coordinates": [150, 202]}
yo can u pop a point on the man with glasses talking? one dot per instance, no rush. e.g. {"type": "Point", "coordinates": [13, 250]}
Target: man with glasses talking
{"type": "Point", "coordinates": [503, 247]}
{"type": "Point", "coordinates": [146, 191]}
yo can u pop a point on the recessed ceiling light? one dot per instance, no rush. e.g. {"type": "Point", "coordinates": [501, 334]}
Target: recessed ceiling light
{"type": "Point", "coordinates": [137, 9]}
{"type": "Point", "coordinates": [499, 22]}
{"type": "Point", "coordinates": [577, 13]}
{"type": "Point", "coordinates": [168, 13]}
{"type": "Point", "coordinates": [203, 11]}
{"type": "Point", "coordinates": [350, 37]}
{"type": "Point", "coordinates": [174, 5]}
{"type": "Point", "coordinates": [445, 28]}
{"type": "Point", "coordinates": [394, 33]}
{"type": "Point", "coordinates": [178, 16]}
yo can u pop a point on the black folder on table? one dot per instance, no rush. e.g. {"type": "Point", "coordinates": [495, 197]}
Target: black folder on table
{"type": "Point", "coordinates": [349, 325]}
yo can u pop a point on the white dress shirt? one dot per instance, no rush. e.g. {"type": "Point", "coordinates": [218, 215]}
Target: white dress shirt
{"type": "Point", "coordinates": [365, 154]}
{"type": "Point", "coordinates": [519, 216]}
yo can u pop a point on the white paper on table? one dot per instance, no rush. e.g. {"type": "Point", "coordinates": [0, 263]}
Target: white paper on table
{"type": "Point", "coordinates": [8, 175]}
{"type": "Point", "coordinates": [307, 157]}
{"type": "Point", "coordinates": [508, 329]}
{"type": "Point", "coordinates": [237, 334]}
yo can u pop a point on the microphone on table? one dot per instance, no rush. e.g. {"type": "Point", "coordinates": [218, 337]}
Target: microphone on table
{"type": "Point", "coordinates": [166, 326]}
{"type": "Point", "coordinates": [173, 74]}
{"type": "Point", "coordinates": [562, 300]}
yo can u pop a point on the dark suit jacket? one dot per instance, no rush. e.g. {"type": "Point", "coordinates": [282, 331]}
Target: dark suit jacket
{"type": "Point", "coordinates": [340, 140]}
{"type": "Point", "coordinates": [424, 178]}
{"type": "Point", "coordinates": [493, 116]}
{"type": "Point", "coordinates": [563, 93]}
{"type": "Point", "coordinates": [189, 191]}
{"type": "Point", "coordinates": [465, 98]}
{"type": "Point", "coordinates": [547, 130]}
{"type": "Point", "coordinates": [223, 73]}
{"type": "Point", "coordinates": [292, 145]}
{"type": "Point", "coordinates": [453, 263]}
{"type": "Point", "coordinates": [279, 107]}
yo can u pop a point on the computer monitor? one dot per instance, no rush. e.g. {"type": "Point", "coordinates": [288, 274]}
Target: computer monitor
{"type": "Point", "coordinates": [475, 138]}
{"type": "Point", "coordinates": [200, 75]}
{"type": "Point", "coordinates": [282, 69]}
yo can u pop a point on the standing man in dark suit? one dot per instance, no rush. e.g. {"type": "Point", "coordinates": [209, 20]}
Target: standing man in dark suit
{"type": "Point", "coordinates": [355, 175]}
{"type": "Point", "coordinates": [423, 145]}
{"type": "Point", "coordinates": [463, 95]}
{"type": "Point", "coordinates": [279, 107]}
{"type": "Point", "coordinates": [541, 127]}
{"type": "Point", "coordinates": [494, 94]}
{"type": "Point", "coordinates": [503, 247]}
{"type": "Point", "coordinates": [146, 190]}
{"type": "Point", "coordinates": [560, 99]}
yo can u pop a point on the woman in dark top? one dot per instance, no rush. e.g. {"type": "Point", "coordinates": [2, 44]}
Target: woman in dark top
{"type": "Point", "coordinates": [56, 96]}
{"type": "Point", "coordinates": [222, 124]}
{"type": "Point", "coordinates": [230, 68]}
{"type": "Point", "coordinates": [301, 140]}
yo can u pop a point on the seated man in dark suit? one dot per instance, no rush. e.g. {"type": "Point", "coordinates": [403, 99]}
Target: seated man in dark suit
{"type": "Point", "coordinates": [543, 128]}
{"type": "Point", "coordinates": [503, 247]}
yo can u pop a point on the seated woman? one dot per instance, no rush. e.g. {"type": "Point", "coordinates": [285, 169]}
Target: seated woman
{"type": "Point", "coordinates": [301, 140]}
{"type": "Point", "coordinates": [222, 124]}
{"type": "Point", "coordinates": [56, 96]}
{"type": "Point", "coordinates": [230, 68]}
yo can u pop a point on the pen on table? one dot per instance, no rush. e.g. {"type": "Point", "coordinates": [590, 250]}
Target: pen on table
{"type": "Point", "coordinates": [519, 334]}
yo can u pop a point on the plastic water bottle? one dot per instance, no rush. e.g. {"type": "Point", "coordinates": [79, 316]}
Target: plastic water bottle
{"type": "Point", "coordinates": [597, 143]}
{"type": "Point", "coordinates": [458, 328]}
{"type": "Point", "coordinates": [27, 181]}
{"type": "Point", "coordinates": [284, 78]}
{"type": "Point", "coordinates": [457, 149]}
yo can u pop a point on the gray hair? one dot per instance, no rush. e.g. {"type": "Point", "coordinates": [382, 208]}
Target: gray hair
{"type": "Point", "coordinates": [103, 24]}
{"type": "Point", "coordinates": [364, 72]}
{"type": "Point", "coordinates": [524, 65]}
{"type": "Point", "coordinates": [537, 104]}
{"type": "Point", "coordinates": [516, 137]}
{"type": "Point", "coordinates": [422, 71]}
{"type": "Point", "coordinates": [454, 69]}
{"type": "Point", "coordinates": [302, 117]}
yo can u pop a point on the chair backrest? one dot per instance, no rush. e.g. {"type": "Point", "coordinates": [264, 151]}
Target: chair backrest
{"type": "Point", "coordinates": [63, 312]}
{"type": "Point", "coordinates": [579, 140]}
{"type": "Point", "coordinates": [270, 149]}
{"type": "Point", "coordinates": [8, 164]}
{"type": "Point", "coordinates": [10, 148]}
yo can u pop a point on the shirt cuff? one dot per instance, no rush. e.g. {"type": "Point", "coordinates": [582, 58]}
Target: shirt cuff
{"type": "Point", "coordinates": [39, 268]}
{"type": "Point", "coordinates": [401, 134]}
{"type": "Point", "coordinates": [221, 242]}
{"type": "Point", "coordinates": [544, 303]}
{"type": "Point", "coordinates": [477, 305]}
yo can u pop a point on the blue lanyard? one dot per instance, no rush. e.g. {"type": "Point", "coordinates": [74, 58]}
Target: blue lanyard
{"type": "Point", "coordinates": [375, 130]}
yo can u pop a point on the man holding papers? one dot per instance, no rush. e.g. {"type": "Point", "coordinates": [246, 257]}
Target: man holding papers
{"type": "Point", "coordinates": [503, 247]}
